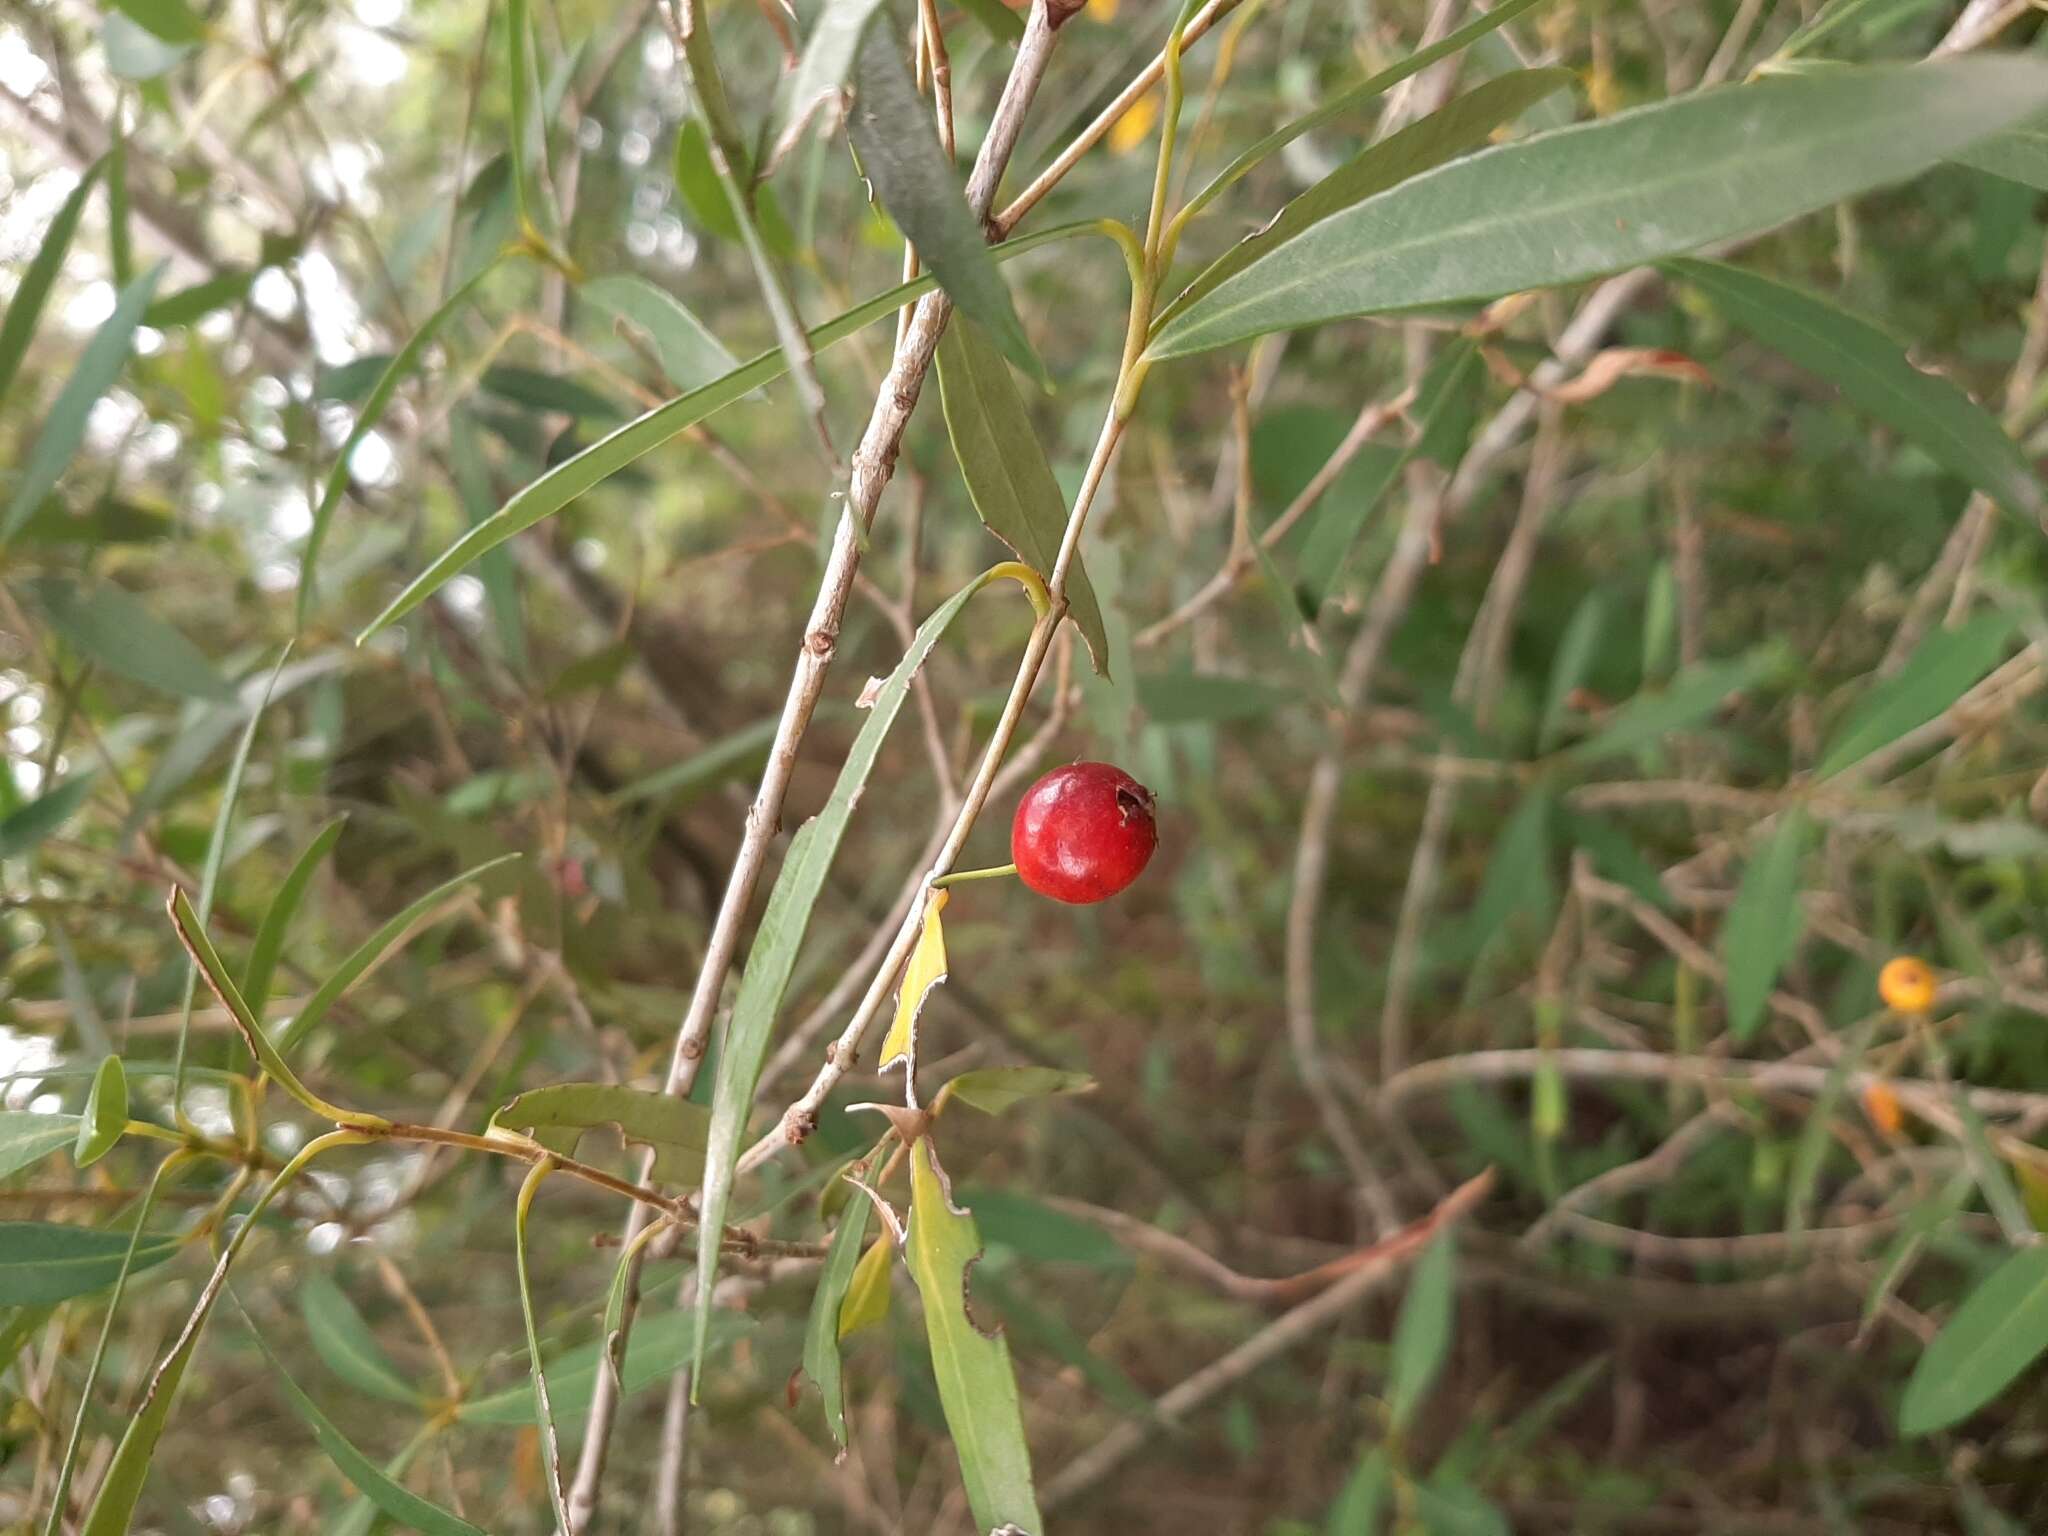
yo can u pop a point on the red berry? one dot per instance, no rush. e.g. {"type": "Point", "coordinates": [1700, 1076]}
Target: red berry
{"type": "Point", "coordinates": [1083, 832]}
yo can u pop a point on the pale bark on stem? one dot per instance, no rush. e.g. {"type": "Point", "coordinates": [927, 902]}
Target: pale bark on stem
{"type": "Point", "coordinates": [1089, 137]}
{"type": "Point", "coordinates": [874, 463]}
{"type": "Point", "coordinates": [800, 1118]}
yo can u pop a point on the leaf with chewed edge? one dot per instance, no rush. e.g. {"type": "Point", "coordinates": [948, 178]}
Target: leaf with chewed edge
{"type": "Point", "coordinates": [557, 1116]}
{"type": "Point", "coordinates": [977, 1382]}
{"type": "Point", "coordinates": [927, 968]}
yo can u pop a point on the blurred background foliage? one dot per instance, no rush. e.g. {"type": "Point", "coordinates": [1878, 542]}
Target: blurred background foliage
{"type": "Point", "coordinates": [1668, 1353]}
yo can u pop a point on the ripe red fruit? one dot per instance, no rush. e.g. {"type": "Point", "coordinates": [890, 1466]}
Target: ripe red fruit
{"type": "Point", "coordinates": [1083, 832]}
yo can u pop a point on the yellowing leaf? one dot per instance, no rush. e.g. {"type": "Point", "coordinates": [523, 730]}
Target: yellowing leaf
{"type": "Point", "coordinates": [867, 1296]}
{"type": "Point", "coordinates": [1135, 126]}
{"type": "Point", "coordinates": [926, 970]}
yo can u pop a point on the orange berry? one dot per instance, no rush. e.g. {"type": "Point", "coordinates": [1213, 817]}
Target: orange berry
{"type": "Point", "coordinates": [1882, 1105]}
{"type": "Point", "coordinates": [1907, 984]}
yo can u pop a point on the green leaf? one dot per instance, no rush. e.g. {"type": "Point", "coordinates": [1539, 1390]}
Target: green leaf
{"type": "Point", "coordinates": [1817, 1136]}
{"type": "Point", "coordinates": [343, 1339]}
{"type": "Point", "coordinates": [231, 286]}
{"type": "Point", "coordinates": [777, 940]}
{"type": "Point", "coordinates": [373, 949]}
{"type": "Point", "coordinates": [543, 1409]}
{"type": "Point", "coordinates": [1356, 1509]}
{"type": "Point", "coordinates": [557, 1117]}
{"type": "Point", "coordinates": [1873, 372]}
{"type": "Point", "coordinates": [1598, 197]}
{"type": "Point", "coordinates": [1693, 694]}
{"type": "Point", "coordinates": [1422, 1334]}
{"type": "Point", "coordinates": [2018, 154]}
{"type": "Point", "coordinates": [192, 933]}
{"type": "Point", "coordinates": [1876, 15]}
{"type": "Point", "coordinates": [977, 1383]}
{"type": "Point", "coordinates": [608, 455]}
{"type": "Point", "coordinates": [538, 391]}
{"type": "Point", "coordinates": [63, 429]}
{"type": "Point", "coordinates": [995, 1089]}
{"type": "Point", "coordinates": [867, 1296]}
{"type": "Point", "coordinates": [42, 1262]}
{"type": "Point", "coordinates": [1462, 125]}
{"type": "Point", "coordinates": [23, 830]}
{"type": "Point", "coordinates": [1452, 1509]}
{"type": "Point", "coordinates": [171, 20]}
{"type": "Point", "coordinates": [819, 80]}
{"type": "Point", "coordinates": [821, 1331]}
{"type": "Point", "coordinates": [261, 966]}
{"type": "Point", "coordinates": [27, 1137]}
{"type": "Point", "coordinates": [136, 53]}
{"type": "Point", "coordinates": [659, 1347]}
{"type": "Point", "coordinates": [1948, 664]}
{"type": "Point", "coordinates": [106, 624]}
{"type": "Point", "coordinates": [1193, 698]}
{"type": "Point", "coordinates": [362, 1515]}
{"type": "Point", "coordinates": [996, 18]}
{"type": "Point", "coordinates": [113, 1507]}
{"type": "Point", "coordinates": [105, 1119]}
{"type": "Point", "coordinates": [1349, 103]}
{"type": "Point", "coordinates": [722, 759]}
{"type": "Point", "coordinates": [403, 1506]}
{"type": "Point", "coordinates": [1006, 471]}
{"type": "Point", "coordinates": [1039, 1232]}
{"type": "Point", "coordinates": [690, 355]}
{"type": "Point", "coordinates": [395, 373]}
{"type": "Point", "coordinates": [33, 292]}
{"type": "Point", "coordinates": [1764, 924]}
{"type": "Point", "coordinates": [891, 129]}
{"type": "Point", "coordinates": [1569, 668]}
{"type": "Point", "coordinates": [1996, 1334]}
{"type": "Point", "coordinates": [1518, 875]}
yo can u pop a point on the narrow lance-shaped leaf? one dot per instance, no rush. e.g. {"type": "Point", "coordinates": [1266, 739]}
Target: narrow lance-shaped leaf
{"type": "Point", "coordinates": [373, 950]}
{"type": "Point", "coordinates": [1602, 196]}
{"type": "Point", "coordinates": [977, 1382]}
{"type": "Point", "coordinates": [113, 1507]}
{"type": "Point", "coordinates": [1007, 475]}
{"type": "Point", "coordinates": [22, 831]}
{"type": "Point", "coordinates": [900, 156]}
{"type": "Point", "coordinates": [367, 418]}
{"type": "Point", "coordinates": [111, 626]}
{"type": "Point", "coordinates": [818, 82]}
{"type": "Point", "coordinates": [992, 1090]}
{"type": "Point", "coordinates": [1461, 125]}
{"type": "Point", "coordinates": [192, 934]}
{"type": "Point", "coordinates": [777, 941]}
{"type": "Point", "coordinates": [867, 1295]}
{"type": "Point", "coordinates": [1695, 693]}
{"type": "Point", "coordinates": [1763, 927]}
{"type": "Point", "coordinates": [402, 1505]}
{"type": "Point", "coordinates": [613, 452]}
{"type": "Point", "coordinates": [261, 966]}
{"type": "Point", "coordinates": [343, 1339]}
{"type": "Point", "coordinates": [1873, 372]}
{"type": "Point", "coordinates": [63, 429]}
{"type": "Point", "coordinates": [926, 970]}
{"type": "Point", "coordinates": [172, 20]}
{"type": "Point", "coordinates": [2020, 154]}
{"type": "Point", "coordinates": [1422, 1335]}
{"type": "Point", "coordinates": [558, 1115]}
{"type": "Point", "coordinates": [1349, 103]}
{"type": "Point", "coordinates": [543, 1412]}
{"type": "Point", "coordinates": [690, 355]}
{"type": "Point", "coordinates": [1948, 664]}
{"type": "Point", "coordinates": [27, 1137]}
{"type": "Point", "coordinates": [821, 1332]}
{"type": "Point", "coordinates": [33, 292]}
{"type": "Point", "coordinates": [1998, 1332]}
{"type": "Point", "coordinates": [43, 1262]}
{"type": "Point", "coordinates": [660, 1347]}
